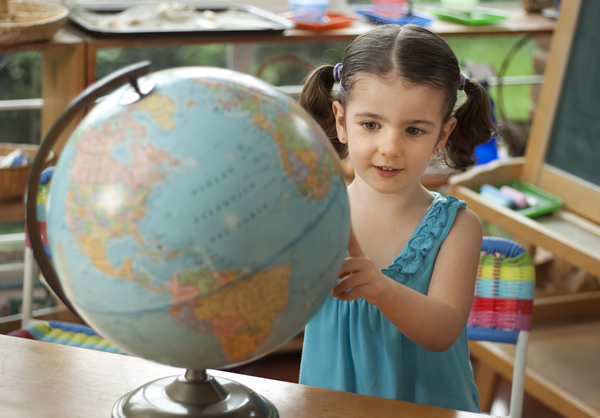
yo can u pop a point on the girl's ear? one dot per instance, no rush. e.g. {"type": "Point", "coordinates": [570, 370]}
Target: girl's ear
{"type": "Point", "coordinates": [445, 134]}
{"type": "Point", "coordinates": [340, 122]}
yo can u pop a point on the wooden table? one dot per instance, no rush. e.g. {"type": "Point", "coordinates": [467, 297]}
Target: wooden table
{"type": "Point", "coordinates": [40, 379]}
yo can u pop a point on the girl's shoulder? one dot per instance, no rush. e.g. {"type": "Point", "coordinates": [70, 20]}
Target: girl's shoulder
{"type": "Point", "coordinates": [440, 199]}
{"type": "Point", "coordinates": [466, 225]}
{"type": "Point", "coordinates": [456, 208]}
{"type": "Point", "coordinates": [467, 219]}
{"type": "Point", "coordinates": [445, 205]}
{"type": "Point", "coordinates": [447, 220]}
{"type": "Point", "coordinates": [455, 215]}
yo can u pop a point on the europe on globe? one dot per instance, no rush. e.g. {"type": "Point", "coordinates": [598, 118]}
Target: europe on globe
{"type": "Point", "coordinates": [202, 225]}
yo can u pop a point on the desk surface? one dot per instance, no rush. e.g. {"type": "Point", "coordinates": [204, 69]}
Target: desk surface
{"type": "Point", "coordinates": [51, 380]}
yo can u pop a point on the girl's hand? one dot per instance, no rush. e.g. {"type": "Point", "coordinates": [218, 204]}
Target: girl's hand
{"type": "Point", "coordinates": [359, 277]}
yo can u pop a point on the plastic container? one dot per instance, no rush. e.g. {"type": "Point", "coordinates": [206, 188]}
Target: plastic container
{"type": "Point", "coordinates": [309, 11]}
{"type": "Point", "coordinates": [463, 6]}
{"type": "Point", "coordinates": [540, 201]}
{"type": "Point", "coordinates": [477, 17]}
{"type": "Point", "coordinates": [332, 21]}
{"type": "Point", "coordinates": [415, 18]}
{"type": "Point", "coordinates": [493, 194]}
{"type": "Point", "coordinates": [390, 8]}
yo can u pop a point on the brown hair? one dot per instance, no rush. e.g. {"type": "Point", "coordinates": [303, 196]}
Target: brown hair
{"type": "Point", "coordinates": [418, 56]}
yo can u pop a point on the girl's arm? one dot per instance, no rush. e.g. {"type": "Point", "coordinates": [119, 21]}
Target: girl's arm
{"type": "Point", "coordinates": [435, 320]}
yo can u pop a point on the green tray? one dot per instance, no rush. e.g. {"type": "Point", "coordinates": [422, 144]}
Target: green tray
{"type": "Point", "coordinates": [546, 202]}
{"type": "Point", "coordinates": [479, 16]}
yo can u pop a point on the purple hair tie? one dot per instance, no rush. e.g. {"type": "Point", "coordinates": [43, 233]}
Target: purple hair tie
{"type": "Point", "coordinates": [461, 82]}
{"type": "Point", "coordinates": [337, 72]}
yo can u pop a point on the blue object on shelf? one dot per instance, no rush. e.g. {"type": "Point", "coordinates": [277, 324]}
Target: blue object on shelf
{"type": "Point", "coordinates": [381, 19]}
{"type": "Point", "coordinates": [493, 194]}
{"type": "Point", "coordinates": [486, 152]}
{"type": "Point", "coordinates": [489, 151]}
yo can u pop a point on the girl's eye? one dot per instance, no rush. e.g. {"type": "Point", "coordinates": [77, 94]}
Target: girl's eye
{"type": "Point", "coordinates": [414, 131]}
{"type": "Point", "coordinates": [370, 126]}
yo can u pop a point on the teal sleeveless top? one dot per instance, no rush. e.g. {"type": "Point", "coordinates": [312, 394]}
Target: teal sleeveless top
{"type": "Point", "coordinates": [351, 346]}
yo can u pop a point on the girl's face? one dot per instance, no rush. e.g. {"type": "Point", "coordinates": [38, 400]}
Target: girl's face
{"type": "Point", "coordinates": [392, 128]}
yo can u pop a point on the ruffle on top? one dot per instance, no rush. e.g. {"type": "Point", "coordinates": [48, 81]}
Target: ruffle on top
{"type": "Point", "coordinates": [413, 255]}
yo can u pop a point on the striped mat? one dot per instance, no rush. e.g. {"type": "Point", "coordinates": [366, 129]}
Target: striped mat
{"type": "Point", "coordinates": [65, 333]}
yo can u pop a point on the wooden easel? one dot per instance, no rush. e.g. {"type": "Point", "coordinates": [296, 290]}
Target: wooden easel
{"type": "Point", "coordinates": [573, 232]}
{"type": "Point", "coordinates": [563, 367]}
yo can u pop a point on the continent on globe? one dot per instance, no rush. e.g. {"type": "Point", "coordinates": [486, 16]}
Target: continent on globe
{"type": "Point", "coordinates": [240, 315]}
{"type": "Point", "coordinates": [107, 197]}
{"type": "Point", "coordinates": [161, 108]}
{"type": "Point", "coordinates": [310, 167]}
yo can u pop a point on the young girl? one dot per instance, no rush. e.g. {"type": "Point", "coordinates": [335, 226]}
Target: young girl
{"type": "Point", "coordinates": [395, 325]}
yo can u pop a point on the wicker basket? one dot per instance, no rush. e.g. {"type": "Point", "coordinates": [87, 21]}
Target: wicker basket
{"type": "Point", "coordinates": [14, 179]}
{"type": "Point", "coordinates": [30, 22]}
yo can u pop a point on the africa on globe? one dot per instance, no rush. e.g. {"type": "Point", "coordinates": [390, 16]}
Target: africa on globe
{"type": "Point", "coordinates": [202, 225]}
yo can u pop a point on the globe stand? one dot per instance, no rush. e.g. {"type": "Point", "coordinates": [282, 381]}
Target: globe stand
{"type": "Point", "coordinates": [194, 394]}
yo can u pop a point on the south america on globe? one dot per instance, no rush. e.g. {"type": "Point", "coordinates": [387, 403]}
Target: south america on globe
{"type": "Point", "coordinates": [202, 225]}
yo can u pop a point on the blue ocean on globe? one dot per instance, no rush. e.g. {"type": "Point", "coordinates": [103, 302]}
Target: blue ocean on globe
{"type": "Point", "coordinates": [201, 226]}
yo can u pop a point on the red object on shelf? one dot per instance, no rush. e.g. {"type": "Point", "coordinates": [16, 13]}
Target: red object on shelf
{"type": "Point", "coordinates": [334, 21]}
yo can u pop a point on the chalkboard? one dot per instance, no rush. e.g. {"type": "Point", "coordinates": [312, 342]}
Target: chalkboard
{"type": "Point", "coordinates": [575, 139]}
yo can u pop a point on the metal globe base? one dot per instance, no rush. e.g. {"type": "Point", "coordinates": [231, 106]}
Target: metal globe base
{"type": "Point", "coordinates": [194, 394]}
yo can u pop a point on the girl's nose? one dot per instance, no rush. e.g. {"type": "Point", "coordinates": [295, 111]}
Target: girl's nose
{"type": "Point", "coordinates": [389, 145]}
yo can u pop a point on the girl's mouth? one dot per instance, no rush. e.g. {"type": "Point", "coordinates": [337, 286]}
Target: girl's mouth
{"type": "Point", "coordinates": [386, 172]}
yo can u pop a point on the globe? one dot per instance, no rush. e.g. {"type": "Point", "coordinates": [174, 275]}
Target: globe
{"type": "Point", "coordinates": [199, 225]}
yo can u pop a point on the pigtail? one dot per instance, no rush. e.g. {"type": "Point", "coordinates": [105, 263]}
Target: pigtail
{"type": "Point", "coordinates": [474, 127]}
{"type": "Point", "coordinates": [317, 98]}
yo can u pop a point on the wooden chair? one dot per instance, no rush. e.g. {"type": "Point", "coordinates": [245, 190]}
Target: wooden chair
{"type": "Point", "coordinates": [501, 311]}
